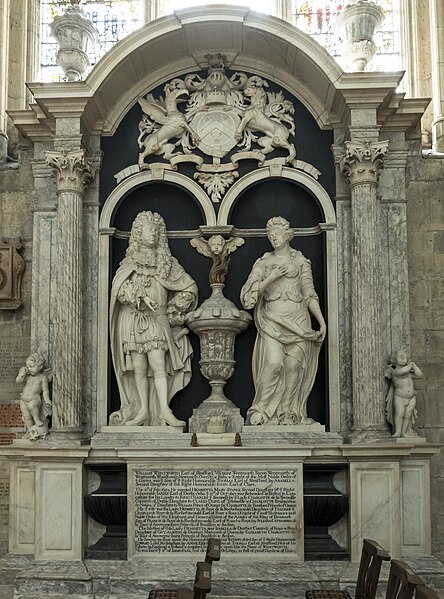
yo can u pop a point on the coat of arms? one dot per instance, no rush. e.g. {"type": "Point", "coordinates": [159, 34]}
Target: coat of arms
{"type": "Point", "coordinates": [220, 114]}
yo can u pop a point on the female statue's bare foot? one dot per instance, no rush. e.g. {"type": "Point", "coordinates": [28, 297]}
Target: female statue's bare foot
{"type": "Point", "coordinates": [138, 419]}
{"type": "Point", "coordinates": [307, 421]}
{"type": "Point", "coordinates": [256, 418]}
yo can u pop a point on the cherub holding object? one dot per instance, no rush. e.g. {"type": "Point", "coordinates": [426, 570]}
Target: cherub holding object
{"type": "Point", "coordinates": [400, 405]}
{"type": "Point", "coordinates": [219, 250]}
{"type": "Point", "coordinates": [35, 402]}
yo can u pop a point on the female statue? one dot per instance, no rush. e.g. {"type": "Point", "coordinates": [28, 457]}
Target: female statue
{"type": "Point", "coordinates": [150, 296]}
{"type": "Point", "coordinates": [285, 357]}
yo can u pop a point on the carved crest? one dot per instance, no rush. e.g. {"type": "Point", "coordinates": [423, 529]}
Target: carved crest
{"type": "Point", "coordinates": [221, 113]}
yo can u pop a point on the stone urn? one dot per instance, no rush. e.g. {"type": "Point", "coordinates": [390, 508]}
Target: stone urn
{"type": "Point", "coordinates": [77, 38]}
{"type": "Point", "coordinates": [217, 322]}
{"type": "Point", "coordinates": [356, 25]}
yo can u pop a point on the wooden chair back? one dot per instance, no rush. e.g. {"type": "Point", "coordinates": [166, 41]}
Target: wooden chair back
{"type": "Point", "coordinates": [424, 592]}
{"type": "Point", "coordinates": [372, 557]}
{"type": "Point", "coordinates": [202, 582]}
{"type": "Point", "coordinates": [402, 581]}
{"type": "Point", "coordinates": [213, 551]}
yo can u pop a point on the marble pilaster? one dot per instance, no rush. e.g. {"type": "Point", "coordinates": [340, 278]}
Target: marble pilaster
{"type": "Point", "coordinates": [395, 286]}
{"type": "Point", "coordinates": [361, 164]}
{"type": "Point", "coordinates": [73, 171]}
{"type": "Point", "coordinates": [44, 249]}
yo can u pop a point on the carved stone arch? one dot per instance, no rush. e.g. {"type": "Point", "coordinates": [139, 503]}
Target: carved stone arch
{"type": "Point", "coordinates": [148, 176]}
{"type": "Point", "coordinates": [261, 174]}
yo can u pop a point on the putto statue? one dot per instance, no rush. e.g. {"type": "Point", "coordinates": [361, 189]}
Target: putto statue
{"type": "Point", "coordinates": [400, 403]}
{"type": "Point", "coordinates": [285, 357]}
{"type": "Point", "coordinates": [150, 296]}
{"type": "Point", "coordinates": [35, 402]}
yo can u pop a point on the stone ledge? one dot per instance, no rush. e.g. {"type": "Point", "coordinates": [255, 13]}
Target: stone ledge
{"type": "Point", "coordinates": [231, 579]}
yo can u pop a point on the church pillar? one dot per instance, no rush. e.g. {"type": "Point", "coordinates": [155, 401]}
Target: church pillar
{"type": "Point", "coordinates": [24, 33]}
{"type": "Point", "coordinates": [437, 39]}
{"type": "Point", "coordinates": [361, 164]}
{"type": "Point", "coordinates": [417, 56]}
{"type": "Point", "coordinates": [282, 9]}
{"type": "Point", "coordinates": [4, 32]}
{"type": "Point", "coordinates": [73, 171]}
{"type": "Point", "coordinates": [154, 9]}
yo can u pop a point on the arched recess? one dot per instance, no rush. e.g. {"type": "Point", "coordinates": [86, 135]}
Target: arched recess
{"type": "Point", "coordinates": [327, 228]}
{"type": "Point", "coordinates": [105, 232]}
{"type": "Point", "coordinates": [290, 174]}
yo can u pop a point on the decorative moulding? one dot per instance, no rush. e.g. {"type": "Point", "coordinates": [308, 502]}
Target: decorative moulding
{"type": "Point", "coordinates": [12, 266]}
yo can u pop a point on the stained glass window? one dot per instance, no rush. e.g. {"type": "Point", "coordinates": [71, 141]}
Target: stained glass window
{"type": "Point", "coordinates": [316, 17]}
{"type": "Point", "coordinates": [113, 19]}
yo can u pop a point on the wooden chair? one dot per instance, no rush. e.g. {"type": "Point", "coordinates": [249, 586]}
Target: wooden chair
{"type": "Point", "coordinates": [202, 581]}
{"type": "Point", "coordinates": [402, 581]}
{"type": "Point", "coordinates": [372, 557]}
{"type": "Point", "coordinates": [424, 592]}
{"type": "Point", "coordinates": [213, 551]}
{"type": "Point", "coordinates": [201, 587]}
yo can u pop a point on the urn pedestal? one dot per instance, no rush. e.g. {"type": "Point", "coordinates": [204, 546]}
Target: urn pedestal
{"type": "Point", "coordinates": [217, 322]}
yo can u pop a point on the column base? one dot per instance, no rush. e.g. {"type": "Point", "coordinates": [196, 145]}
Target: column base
{"type": "Point", "coordinates": [61, 435]}
{"type": "Point", "coordinates": [370, 434]}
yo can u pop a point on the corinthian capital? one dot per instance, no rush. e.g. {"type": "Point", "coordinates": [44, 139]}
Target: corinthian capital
{"type": "Point", "coordinates": [362, 161]}
{"type": "Point", "coordinates": [72, 169]}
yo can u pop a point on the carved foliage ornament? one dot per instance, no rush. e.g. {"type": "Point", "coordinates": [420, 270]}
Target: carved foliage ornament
{"type": "Point", "coordinates": [215, 115]}
{"type": "Point", "coordinates": [72, 169]}
{"type": "Point", "coordinates": [363, 161]}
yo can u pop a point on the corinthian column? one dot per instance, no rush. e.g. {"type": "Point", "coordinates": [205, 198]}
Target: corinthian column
{"type": "Point", "coordinates": [361, 164]}
{"type": "Point", "coordinates": [73, 171]}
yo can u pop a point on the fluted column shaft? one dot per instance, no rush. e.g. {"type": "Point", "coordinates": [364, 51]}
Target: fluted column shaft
{"type": "Point", "coordinates": [361, 164]}
{"type": "Point", "coordinates": [154, 9]}
{"type": "Point", "coordinates": [73, 171]}
{"type": "Point", "coordinates": [282, 9]}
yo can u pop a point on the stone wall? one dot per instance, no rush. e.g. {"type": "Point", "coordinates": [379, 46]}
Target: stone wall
{"type": "Point", "coordinates": [425, 185]}
{"type": "Point", "coordinates": [16, 210]}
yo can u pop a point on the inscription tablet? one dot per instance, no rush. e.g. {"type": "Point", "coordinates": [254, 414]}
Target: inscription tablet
{"type": "Point", "coordinates": [252, 511]}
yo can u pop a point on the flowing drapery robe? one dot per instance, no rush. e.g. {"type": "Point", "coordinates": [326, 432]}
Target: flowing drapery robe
{"type": "Point", "coordinates": [130, 325]}
{"type": "Point", "coordinates": [286, 350]}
